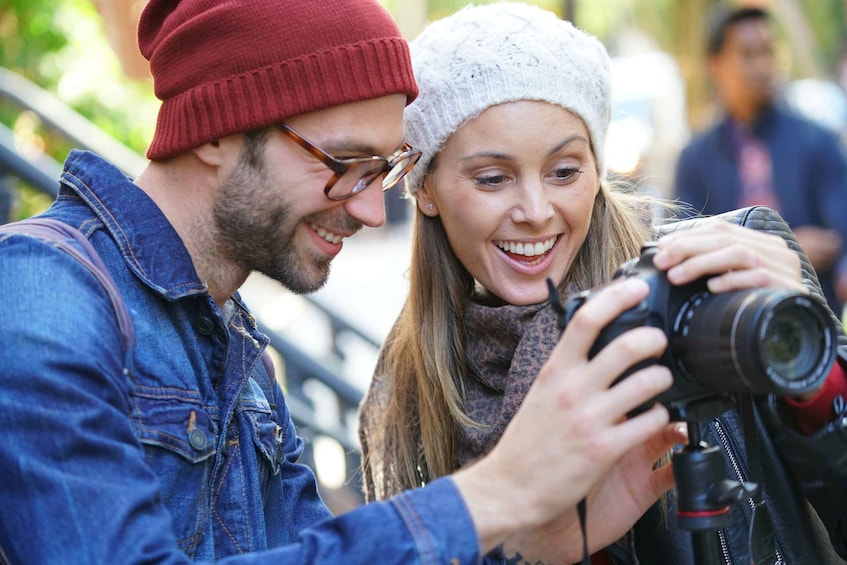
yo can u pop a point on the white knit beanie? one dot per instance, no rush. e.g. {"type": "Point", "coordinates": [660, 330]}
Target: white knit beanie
{"type": "Point", "coordinates": [482, 56]}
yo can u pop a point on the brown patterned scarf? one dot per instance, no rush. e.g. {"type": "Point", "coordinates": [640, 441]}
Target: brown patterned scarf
{"type": "Point", "coordinates": [507, 345]}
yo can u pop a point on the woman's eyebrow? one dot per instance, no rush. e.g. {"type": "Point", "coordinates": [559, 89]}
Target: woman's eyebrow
{"type": "Point", "coordinates": [567, 141]}
{"type": "Point", "coordinates": [506, 157]}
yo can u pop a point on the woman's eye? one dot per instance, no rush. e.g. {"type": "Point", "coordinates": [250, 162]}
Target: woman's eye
{"type": "Point", "coordinates": [491, 181]}
{"type": "Point", "coordinates": [566, 174]}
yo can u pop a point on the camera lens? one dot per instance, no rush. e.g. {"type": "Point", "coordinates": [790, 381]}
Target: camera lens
{"type": "Point", "coordinates": [792, 342]}
{"type": "Point", "coordinates": [760, 341]}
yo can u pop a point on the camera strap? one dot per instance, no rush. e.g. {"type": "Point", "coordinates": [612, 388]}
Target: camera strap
{"type": "Point", "coordinates": [581, 506]}
{"type": "Point", "coordinates": [581, 511]}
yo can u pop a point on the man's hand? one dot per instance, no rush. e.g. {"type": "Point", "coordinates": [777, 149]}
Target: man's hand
{"type": "Point", "coordinates": [823, 246]}
{"type": "Point", "coordinates": [571, 430]}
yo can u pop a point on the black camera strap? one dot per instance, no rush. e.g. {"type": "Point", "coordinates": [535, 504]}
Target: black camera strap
{"type": "Point", "coordinates": [581, 506]}
{"type": "Point", "coordinates": [583, 517]}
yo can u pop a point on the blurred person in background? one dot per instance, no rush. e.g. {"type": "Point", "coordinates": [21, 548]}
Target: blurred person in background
{"type": "Point", "coordinates": [761, 152]}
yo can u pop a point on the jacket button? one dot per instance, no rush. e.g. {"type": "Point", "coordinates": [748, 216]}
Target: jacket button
{"type": "Point", "coordinates": [197, 439]}
{"type": "Point", "coordinates": [205, 325]}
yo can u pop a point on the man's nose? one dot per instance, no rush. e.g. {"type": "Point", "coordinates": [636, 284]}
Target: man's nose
{"type": "Point", "coordinates": [368, 206]}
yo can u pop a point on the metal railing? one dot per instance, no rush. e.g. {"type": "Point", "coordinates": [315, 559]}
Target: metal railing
{"type": "Point", "coordinates": [299, 371]}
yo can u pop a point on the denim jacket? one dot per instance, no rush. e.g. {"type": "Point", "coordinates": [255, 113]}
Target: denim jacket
{"type": "Point", "coordinates": [188, 451]}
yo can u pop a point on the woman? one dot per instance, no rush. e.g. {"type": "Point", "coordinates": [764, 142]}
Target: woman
{"type": "Point", "coordinates": [510, 191]}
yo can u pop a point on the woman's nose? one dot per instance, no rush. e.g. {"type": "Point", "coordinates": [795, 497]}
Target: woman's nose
{"type": "Point", "coordinates": [534, 205]}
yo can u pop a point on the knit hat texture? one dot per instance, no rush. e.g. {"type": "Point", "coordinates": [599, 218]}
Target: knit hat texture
{"type": "Point", "coordinates": [482, 56]}
{"type": "Point", "coordinates": [223, 67]}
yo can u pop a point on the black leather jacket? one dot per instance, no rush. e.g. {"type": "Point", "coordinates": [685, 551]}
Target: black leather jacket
{"type": "Point", "coordinates": [803, 479]}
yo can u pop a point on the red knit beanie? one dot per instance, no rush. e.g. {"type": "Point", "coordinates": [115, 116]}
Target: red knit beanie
{"type": "Point", "coordinates": [222, 67]}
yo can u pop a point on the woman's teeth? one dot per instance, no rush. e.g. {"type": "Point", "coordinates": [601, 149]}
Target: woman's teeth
{"type": "Point", "coordinates": [526, 249]}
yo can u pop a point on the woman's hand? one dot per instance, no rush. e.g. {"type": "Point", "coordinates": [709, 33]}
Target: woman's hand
{"type": "Point", "coordinates": [615, 503]}
{"type": "Point", "coordinates": [733, 256]}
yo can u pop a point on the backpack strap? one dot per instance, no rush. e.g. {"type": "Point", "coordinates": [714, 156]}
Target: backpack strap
{"type": "Point", "coordinates": [63, 236]}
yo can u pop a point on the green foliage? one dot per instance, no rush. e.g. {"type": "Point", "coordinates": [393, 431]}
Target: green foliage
{"type": "Point", "coordinates": [827, 21]}
{"type": "Point", "coordinates": [61, 46]}
{"type": "Point", "coordinates": [27, 33]}
{"type": "Point", "coordinates": [440, 8]}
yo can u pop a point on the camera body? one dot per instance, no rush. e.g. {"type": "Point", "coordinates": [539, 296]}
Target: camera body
{"type": "Point", "coordinates": [757, 341]}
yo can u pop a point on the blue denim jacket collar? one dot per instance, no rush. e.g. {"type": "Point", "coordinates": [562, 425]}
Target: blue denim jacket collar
{"type": "Point", "coordinates": [148, 242]}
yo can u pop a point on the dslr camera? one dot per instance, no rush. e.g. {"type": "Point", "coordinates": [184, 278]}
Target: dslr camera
{"type": "Point", "coordinates": [757, 341]}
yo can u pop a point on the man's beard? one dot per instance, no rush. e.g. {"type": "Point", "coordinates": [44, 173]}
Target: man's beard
{"type": "Point", "coordinates": [255, 230]}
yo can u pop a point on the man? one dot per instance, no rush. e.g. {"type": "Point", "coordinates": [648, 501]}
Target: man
{"type": "Point", "coordinates": [274, 118]}
{"type": "Point", "coordinates": [761, 153]}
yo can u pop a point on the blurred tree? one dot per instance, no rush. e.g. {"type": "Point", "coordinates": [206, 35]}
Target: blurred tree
{"type": "Point", "coordinates": [62, 47]}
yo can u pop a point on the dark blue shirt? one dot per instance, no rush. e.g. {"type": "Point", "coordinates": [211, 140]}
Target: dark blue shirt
{"type": "Point", "coordinates": [809, 176]}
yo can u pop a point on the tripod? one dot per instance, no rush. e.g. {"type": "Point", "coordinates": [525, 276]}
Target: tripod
{"type": "Point", "coordinates": [704, 491]}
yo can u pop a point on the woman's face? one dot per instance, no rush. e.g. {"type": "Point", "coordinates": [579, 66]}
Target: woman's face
{"type": "Point", "coordinates": [514, 188]}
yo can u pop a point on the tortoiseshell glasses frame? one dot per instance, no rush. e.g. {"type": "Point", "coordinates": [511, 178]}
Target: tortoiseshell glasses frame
{"type": "Point", "coordinates": [353, 175]}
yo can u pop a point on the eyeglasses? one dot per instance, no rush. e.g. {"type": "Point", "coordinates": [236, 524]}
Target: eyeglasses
{"type": "Point", "coordinates": [353, 175]}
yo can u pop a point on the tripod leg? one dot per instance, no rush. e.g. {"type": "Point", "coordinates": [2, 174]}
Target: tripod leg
{"type": "Point", "coordinates": [706, 548]}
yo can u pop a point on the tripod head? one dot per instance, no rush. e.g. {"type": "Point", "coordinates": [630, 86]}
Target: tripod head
{"type": "Point", "coordinates": [703, 489]}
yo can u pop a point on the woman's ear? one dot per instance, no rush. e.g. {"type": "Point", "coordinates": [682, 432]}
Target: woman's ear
{"type": "Point", "coordinates": [425, 201]}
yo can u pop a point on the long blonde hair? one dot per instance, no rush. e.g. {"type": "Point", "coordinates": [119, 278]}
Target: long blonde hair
{"type": "Point", "coordinates": [413, 439]}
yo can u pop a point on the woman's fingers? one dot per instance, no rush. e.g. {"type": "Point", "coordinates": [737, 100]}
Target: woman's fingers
{"type": "Point", "coordinates": [733, 256]}
{"type": "Point", "coordinates": [662, 478]}
{"type": "Point", "coordinates": [661, 481]}
{"type": "Point", "coordinates": [713, 233]}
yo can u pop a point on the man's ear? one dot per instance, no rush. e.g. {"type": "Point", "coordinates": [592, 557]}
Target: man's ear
{"type": "Point", "coordinates": [216, 153]}
{"type": "Point", "coordinates": [211, 153]}
{"type": "Point", "coordinates": [714, 67]}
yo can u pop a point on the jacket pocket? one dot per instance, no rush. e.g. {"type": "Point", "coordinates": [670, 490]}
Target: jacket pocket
{"type": "Point", "coordinates": [179, 438]}
{"type": "Point", "coordinates": [174, 420]}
